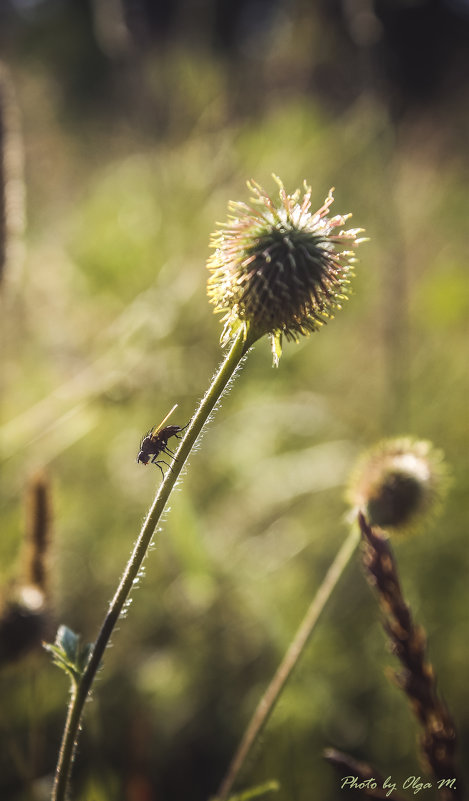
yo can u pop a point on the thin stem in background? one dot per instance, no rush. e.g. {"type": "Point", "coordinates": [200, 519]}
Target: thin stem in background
{"type": "Point", "coordinates": [82, 688]}
{"type": "Point", "coordinates": [268, 701]}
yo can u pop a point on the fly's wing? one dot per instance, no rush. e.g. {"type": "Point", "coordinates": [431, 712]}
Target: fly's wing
{"type": "Point", "coordinates": [154, 431]}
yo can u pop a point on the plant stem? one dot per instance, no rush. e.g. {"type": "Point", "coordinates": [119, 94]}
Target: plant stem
{"type": "Point", "coordinates": [268, 701]}
{"type": "Point", "coordinates": [80, 692]}
{"type": "Point", "coordinates": [417, 679]}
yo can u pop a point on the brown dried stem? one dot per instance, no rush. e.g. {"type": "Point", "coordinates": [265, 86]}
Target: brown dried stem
{"type": "Point", "coordinates": [417, 678]}
{"type": "Point", "coordinates": [38, 520]}
{"type": "Point", "coordinates": [12, 192]}
{"type": "Point", "coordinates": [25, 611]}
{"type": "Point", "coordinates": [3, 236]}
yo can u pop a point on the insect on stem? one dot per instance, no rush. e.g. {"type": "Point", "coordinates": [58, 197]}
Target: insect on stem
{"type": "Point", "coordinates": [155, 442]}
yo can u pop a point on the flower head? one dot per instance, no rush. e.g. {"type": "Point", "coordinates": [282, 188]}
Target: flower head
{"type": "Point", "coordinates": [279, 269]}
{"type": "Point", "coordinates": [399, 484]}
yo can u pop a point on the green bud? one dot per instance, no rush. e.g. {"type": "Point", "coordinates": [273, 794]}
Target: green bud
{"type": "Point", "coordinates": [399, 484]}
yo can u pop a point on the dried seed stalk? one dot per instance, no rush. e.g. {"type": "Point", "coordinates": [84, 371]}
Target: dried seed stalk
{"type": "Point", "coordinates": [417, 677]}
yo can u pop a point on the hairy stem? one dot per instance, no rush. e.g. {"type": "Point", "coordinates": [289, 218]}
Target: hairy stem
{"type": "Point", "coordinates": [80, 693]}
{"type": "Point", "coordinates": [268, 701]}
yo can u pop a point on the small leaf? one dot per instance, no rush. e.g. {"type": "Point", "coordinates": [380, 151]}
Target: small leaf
{"type": "Point", "coordinates": [67, 653]}
{"type": "Point", "coordinates": [255, 792]}
{"type": "Point", "coordinates": [68, 642]}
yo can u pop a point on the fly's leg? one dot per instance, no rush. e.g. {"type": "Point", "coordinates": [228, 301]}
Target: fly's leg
{"type": "Point", "coordinates": [159, 467]}
{"type": "Point", "coordinates": [170, 453]}
{"type": "Point", "coordinates": [178, 435]}
{"type": "Point", "coordinates": [167, 449]}
{"type": "Point", "coordinates": [159, 462]}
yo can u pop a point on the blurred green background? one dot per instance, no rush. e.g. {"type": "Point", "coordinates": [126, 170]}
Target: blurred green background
{"type": "Point", "coordinates": [127, 127]}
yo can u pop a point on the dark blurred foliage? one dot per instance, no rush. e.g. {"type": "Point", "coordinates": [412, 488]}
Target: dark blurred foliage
{"type": "Point", "coordinates": [140, 119]}
{"type": "Point", "coordinates": [413, 52]}
{"type": "Point", "coordinates": [416, 49]}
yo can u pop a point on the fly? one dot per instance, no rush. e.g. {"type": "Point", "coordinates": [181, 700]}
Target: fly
{"type": "Point", "coordinates": [155, 442]}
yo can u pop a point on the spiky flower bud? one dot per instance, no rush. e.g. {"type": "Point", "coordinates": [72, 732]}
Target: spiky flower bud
{"type": "Point", "coordinates": [399, 484]}
{"type": "Point", "coordinates": [279, 269]}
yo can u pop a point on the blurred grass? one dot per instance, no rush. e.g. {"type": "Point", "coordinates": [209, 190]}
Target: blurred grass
{"type": "Point", "coordinates": [108, 326]}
